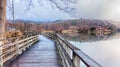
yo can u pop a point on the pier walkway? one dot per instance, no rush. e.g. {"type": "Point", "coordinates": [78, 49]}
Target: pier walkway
{"type": "Point", "coordinates": [50, 50]}
{"type": "Point", "coordinates": [41, 54]}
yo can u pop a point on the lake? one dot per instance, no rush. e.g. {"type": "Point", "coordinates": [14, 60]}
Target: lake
{"type": "Point", "coordinates": [105, 49]}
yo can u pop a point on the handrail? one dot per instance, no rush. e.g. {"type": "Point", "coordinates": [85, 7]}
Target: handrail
{"type": "Point", "coordinates": [10, 40]}
{"type": "Point", "coordinates": [86, 59]}
{"type": "Point", "coordinates": [67, 43]}
{"type": "Point", "coordinates": [72, 55]}
{"type": "Point", "coordinates": [12, 49]}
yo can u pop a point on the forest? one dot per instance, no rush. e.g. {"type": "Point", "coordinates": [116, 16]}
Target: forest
{"type": "Point", "coordinates": [79, 25]}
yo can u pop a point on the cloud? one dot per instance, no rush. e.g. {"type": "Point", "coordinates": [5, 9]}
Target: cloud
{"type": "Point", "coordinates": [97, 9]}
{"type": "Point", "coordinates": [100, 9]}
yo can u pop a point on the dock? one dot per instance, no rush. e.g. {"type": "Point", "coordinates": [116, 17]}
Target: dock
{"type": "Point", "coordinates": [42, 50]}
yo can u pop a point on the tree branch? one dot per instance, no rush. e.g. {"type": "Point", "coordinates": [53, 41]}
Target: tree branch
{"type": "Point", "coordinates": [28, 3]}
{"type": "Point", "coordinates": [60, 4]}
{"type": "Point", "coordinates": [64, 6]}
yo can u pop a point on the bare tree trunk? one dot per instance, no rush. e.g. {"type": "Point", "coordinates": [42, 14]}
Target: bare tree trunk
{"type": "Point", "coordinates": [2, 18]}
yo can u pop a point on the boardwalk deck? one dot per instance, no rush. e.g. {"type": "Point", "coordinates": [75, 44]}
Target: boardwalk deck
{"type": "Point", "coordinates": [42, 54]}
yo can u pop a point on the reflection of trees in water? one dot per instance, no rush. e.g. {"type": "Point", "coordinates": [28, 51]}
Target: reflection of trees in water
{"type": "Point", "coordinates": [86, 37]}
{"type": "Point", "coordinates": [116, 36]}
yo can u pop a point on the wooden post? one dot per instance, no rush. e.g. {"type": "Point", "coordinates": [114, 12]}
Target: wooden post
{"type": "Point", "coordinates": [1, 65]}
{"type": "Point", "coordinates": [2, 18]}
{"type": "Point", "coordinates": [17, 46]}
{"type": "Point", "coordinates": [76, 60]}
{"type": "Point", "coordinates": [2, 21]}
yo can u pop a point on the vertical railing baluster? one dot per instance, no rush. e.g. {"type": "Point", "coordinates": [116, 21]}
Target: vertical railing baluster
{"type": "Point", "coordinates": [17, 46]}
{"type": "Point", "coordinates": [76, 60]}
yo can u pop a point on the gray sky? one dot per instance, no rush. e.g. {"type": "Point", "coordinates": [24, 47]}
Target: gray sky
{"type": "Point", "coordinates": [93, 9]}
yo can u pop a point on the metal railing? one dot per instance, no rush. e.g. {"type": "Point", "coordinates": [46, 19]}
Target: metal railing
{"type": "Point", "coordinates": [72, 56]}
{"type": "Point", "coordinates": [12, 47]}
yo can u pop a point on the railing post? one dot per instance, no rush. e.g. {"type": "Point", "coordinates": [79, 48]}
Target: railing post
{"type": "Point", "coordinates": [76, 60]}
{"type": "Point", "coordinates": [17, 46]}
{"type": "Point", "coordinates": [27, 42]}
{"type": "Point", "coordinates": [1, 51]}
{"type": "Point", "coordinates": [1, 64]}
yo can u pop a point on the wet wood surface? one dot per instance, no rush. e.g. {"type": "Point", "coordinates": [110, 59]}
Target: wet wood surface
{"type": "Point", "coordinates": [41, 54]}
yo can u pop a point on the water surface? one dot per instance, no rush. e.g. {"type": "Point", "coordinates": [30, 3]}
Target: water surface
{"type": "Point", "coordinates": [104, 49]}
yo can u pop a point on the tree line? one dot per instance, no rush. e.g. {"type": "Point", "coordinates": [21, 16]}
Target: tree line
{"type": "Point", "coordinates": [57, 26]}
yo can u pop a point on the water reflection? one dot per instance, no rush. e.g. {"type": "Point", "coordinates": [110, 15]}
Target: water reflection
{"type": "Point", "coordinates": [104, 49]}
{"type": "Point", "coordinates": [81, 37]}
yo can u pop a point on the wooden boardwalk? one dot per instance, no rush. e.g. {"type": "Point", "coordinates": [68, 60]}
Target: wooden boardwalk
{"type": "Point", "coordinates": [41, 54]}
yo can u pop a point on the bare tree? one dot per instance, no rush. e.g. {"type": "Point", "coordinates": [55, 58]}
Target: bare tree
{"type": "Point", "coordinates": [2, 18]}
{"type": "Point", "coordinates": [64, 5]}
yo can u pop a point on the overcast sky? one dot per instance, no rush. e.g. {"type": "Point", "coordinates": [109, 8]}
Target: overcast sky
{"type": "Point", "coordinates": [93, 9]}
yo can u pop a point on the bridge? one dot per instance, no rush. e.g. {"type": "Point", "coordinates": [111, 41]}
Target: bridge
{"type": "Point", "coordinates": [42, 50]}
